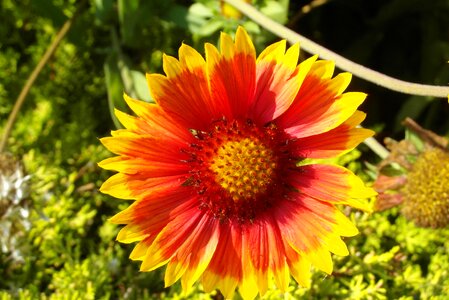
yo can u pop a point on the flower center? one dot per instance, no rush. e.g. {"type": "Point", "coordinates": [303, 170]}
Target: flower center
{"type": "Point", "coordinates": [426, 194]}
{"type": "Point", "coordinates": [236, 168]}
{"type": "Point", "coordinates": [244, 168]}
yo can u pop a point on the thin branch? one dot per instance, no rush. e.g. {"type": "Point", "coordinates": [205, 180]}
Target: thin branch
{"type": "Point", "coordinates": [429, 137]}
{"type": "Point", "coordinates": [343, 63]}
{"type": "Point", "coordinates": [30, 81]}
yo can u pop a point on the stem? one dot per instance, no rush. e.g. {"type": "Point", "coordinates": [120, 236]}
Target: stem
{"type": "Point", "coordinates": [343, 63]}
{"type": "Point", "coordinates": [30, 81]}
{"type": "Point", "coordinates": [377, 147]}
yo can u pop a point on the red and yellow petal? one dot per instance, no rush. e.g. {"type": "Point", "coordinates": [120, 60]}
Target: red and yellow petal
{"type": "Point", "coordinates": [163, 204]}
{"type": "Point", "coordinates": [170, 239]}
{"type": "Point", "coordinates": [144, 147]}
{"type": "Point", "coordinates": [138, 186]}
{"type": "Point", "coordinates": [335, 142]}
{"type": "Point", "coordinates": [134, 165]}
{"type": "Point", "coordinates": [145, 163]}
{"type": "Point", "coordinates": [232, 74]}
{"type": "Point", "coordinates": [225, 269]}
{"type": "Point", "coordinates": [255, 242]}
{"type": "Point", "coordinates": [320, 104]}
{"type": "Point", "coordinates": [187, 243]}
{"type": "Point", "coordinates": [267, 254]}
{"type": "Point", "coordinates": [313, 228]}
{"type": "Point", "coordinates": [152, 120]}
{"type": "Point", "coordinates": [196, 252]}
{"type": "Point", "coordinates": [249, 286]}
{"type": "Point", "coordinates": [331, 183]}
{"type": "Point", "coordinates": [249, 256]}
{"type": "Point", "coordinates": [299, 266]}
{"type": "Point", "coordinates": [323, 69]}
{"type": "Point", "coordinates": [278, 81]}
{"type": "Point", "coordinates": [184, 91]}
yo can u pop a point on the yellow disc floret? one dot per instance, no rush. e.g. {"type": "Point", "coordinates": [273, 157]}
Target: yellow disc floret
{"type": "Point", "coordinates": [244, 168]}
{"type": "Point", "coordinates": [426, 194]}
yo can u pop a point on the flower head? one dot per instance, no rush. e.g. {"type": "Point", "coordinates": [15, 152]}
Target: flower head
{"type": "Point", "coordinates": [213, 167]}
{"type": "Point", "coordinates": [416, 177]}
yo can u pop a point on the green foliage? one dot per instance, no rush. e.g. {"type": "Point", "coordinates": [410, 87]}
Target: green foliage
{"type": "Point", "coordinates": [71, 251]}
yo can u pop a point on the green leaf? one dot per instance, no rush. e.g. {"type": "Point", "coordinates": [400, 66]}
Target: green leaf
{"type": "Point", "coordinates": [415, 139]}
{"type": "Point", "coordinates": [197, 17]}
{"type": "Point", "coordinates": [393, 169]}
{"type": "Point", "coordinates": [140, 86]}
{"type": "Point", "coordinates": [199, 10]}
{"type": "Point", "coordinates": [128, 18]}
{"type": "Point", "coordinates": [114, 87]}
{"type": "Point", "coordinates": [276, 10]}
{"type": "Point", "coordinates": [211, 26]}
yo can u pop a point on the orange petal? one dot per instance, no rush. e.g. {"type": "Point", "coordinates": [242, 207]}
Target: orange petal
{"type": "Point", "coordinates": [386, 201]}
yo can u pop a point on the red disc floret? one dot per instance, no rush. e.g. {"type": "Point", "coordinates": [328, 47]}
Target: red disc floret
{"type": "Point", "coordinates": [237, 166]}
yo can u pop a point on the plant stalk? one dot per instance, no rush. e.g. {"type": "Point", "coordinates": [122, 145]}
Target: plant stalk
{"type": "Point", "coordinates": [32, 78]}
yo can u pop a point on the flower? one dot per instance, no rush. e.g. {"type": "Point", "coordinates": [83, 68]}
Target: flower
{"type": "Point", "coordinates": [415, 176]}
{"type": "Point", "coordinates": [213, 167]}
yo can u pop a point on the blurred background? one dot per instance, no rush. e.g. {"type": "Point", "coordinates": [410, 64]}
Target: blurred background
{"type": "Point", "coordinates": [55, 240]}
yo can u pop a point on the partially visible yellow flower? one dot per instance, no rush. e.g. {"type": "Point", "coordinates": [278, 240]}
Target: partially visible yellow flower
{"type": "Point", "coordinates": [230, 11]}
{"type": "Point", "coordinates": [418, 179]}
{"type": "Point", "coordinates": [212, 167]}
{"type": "Point", "coordinates": [426, 194]}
